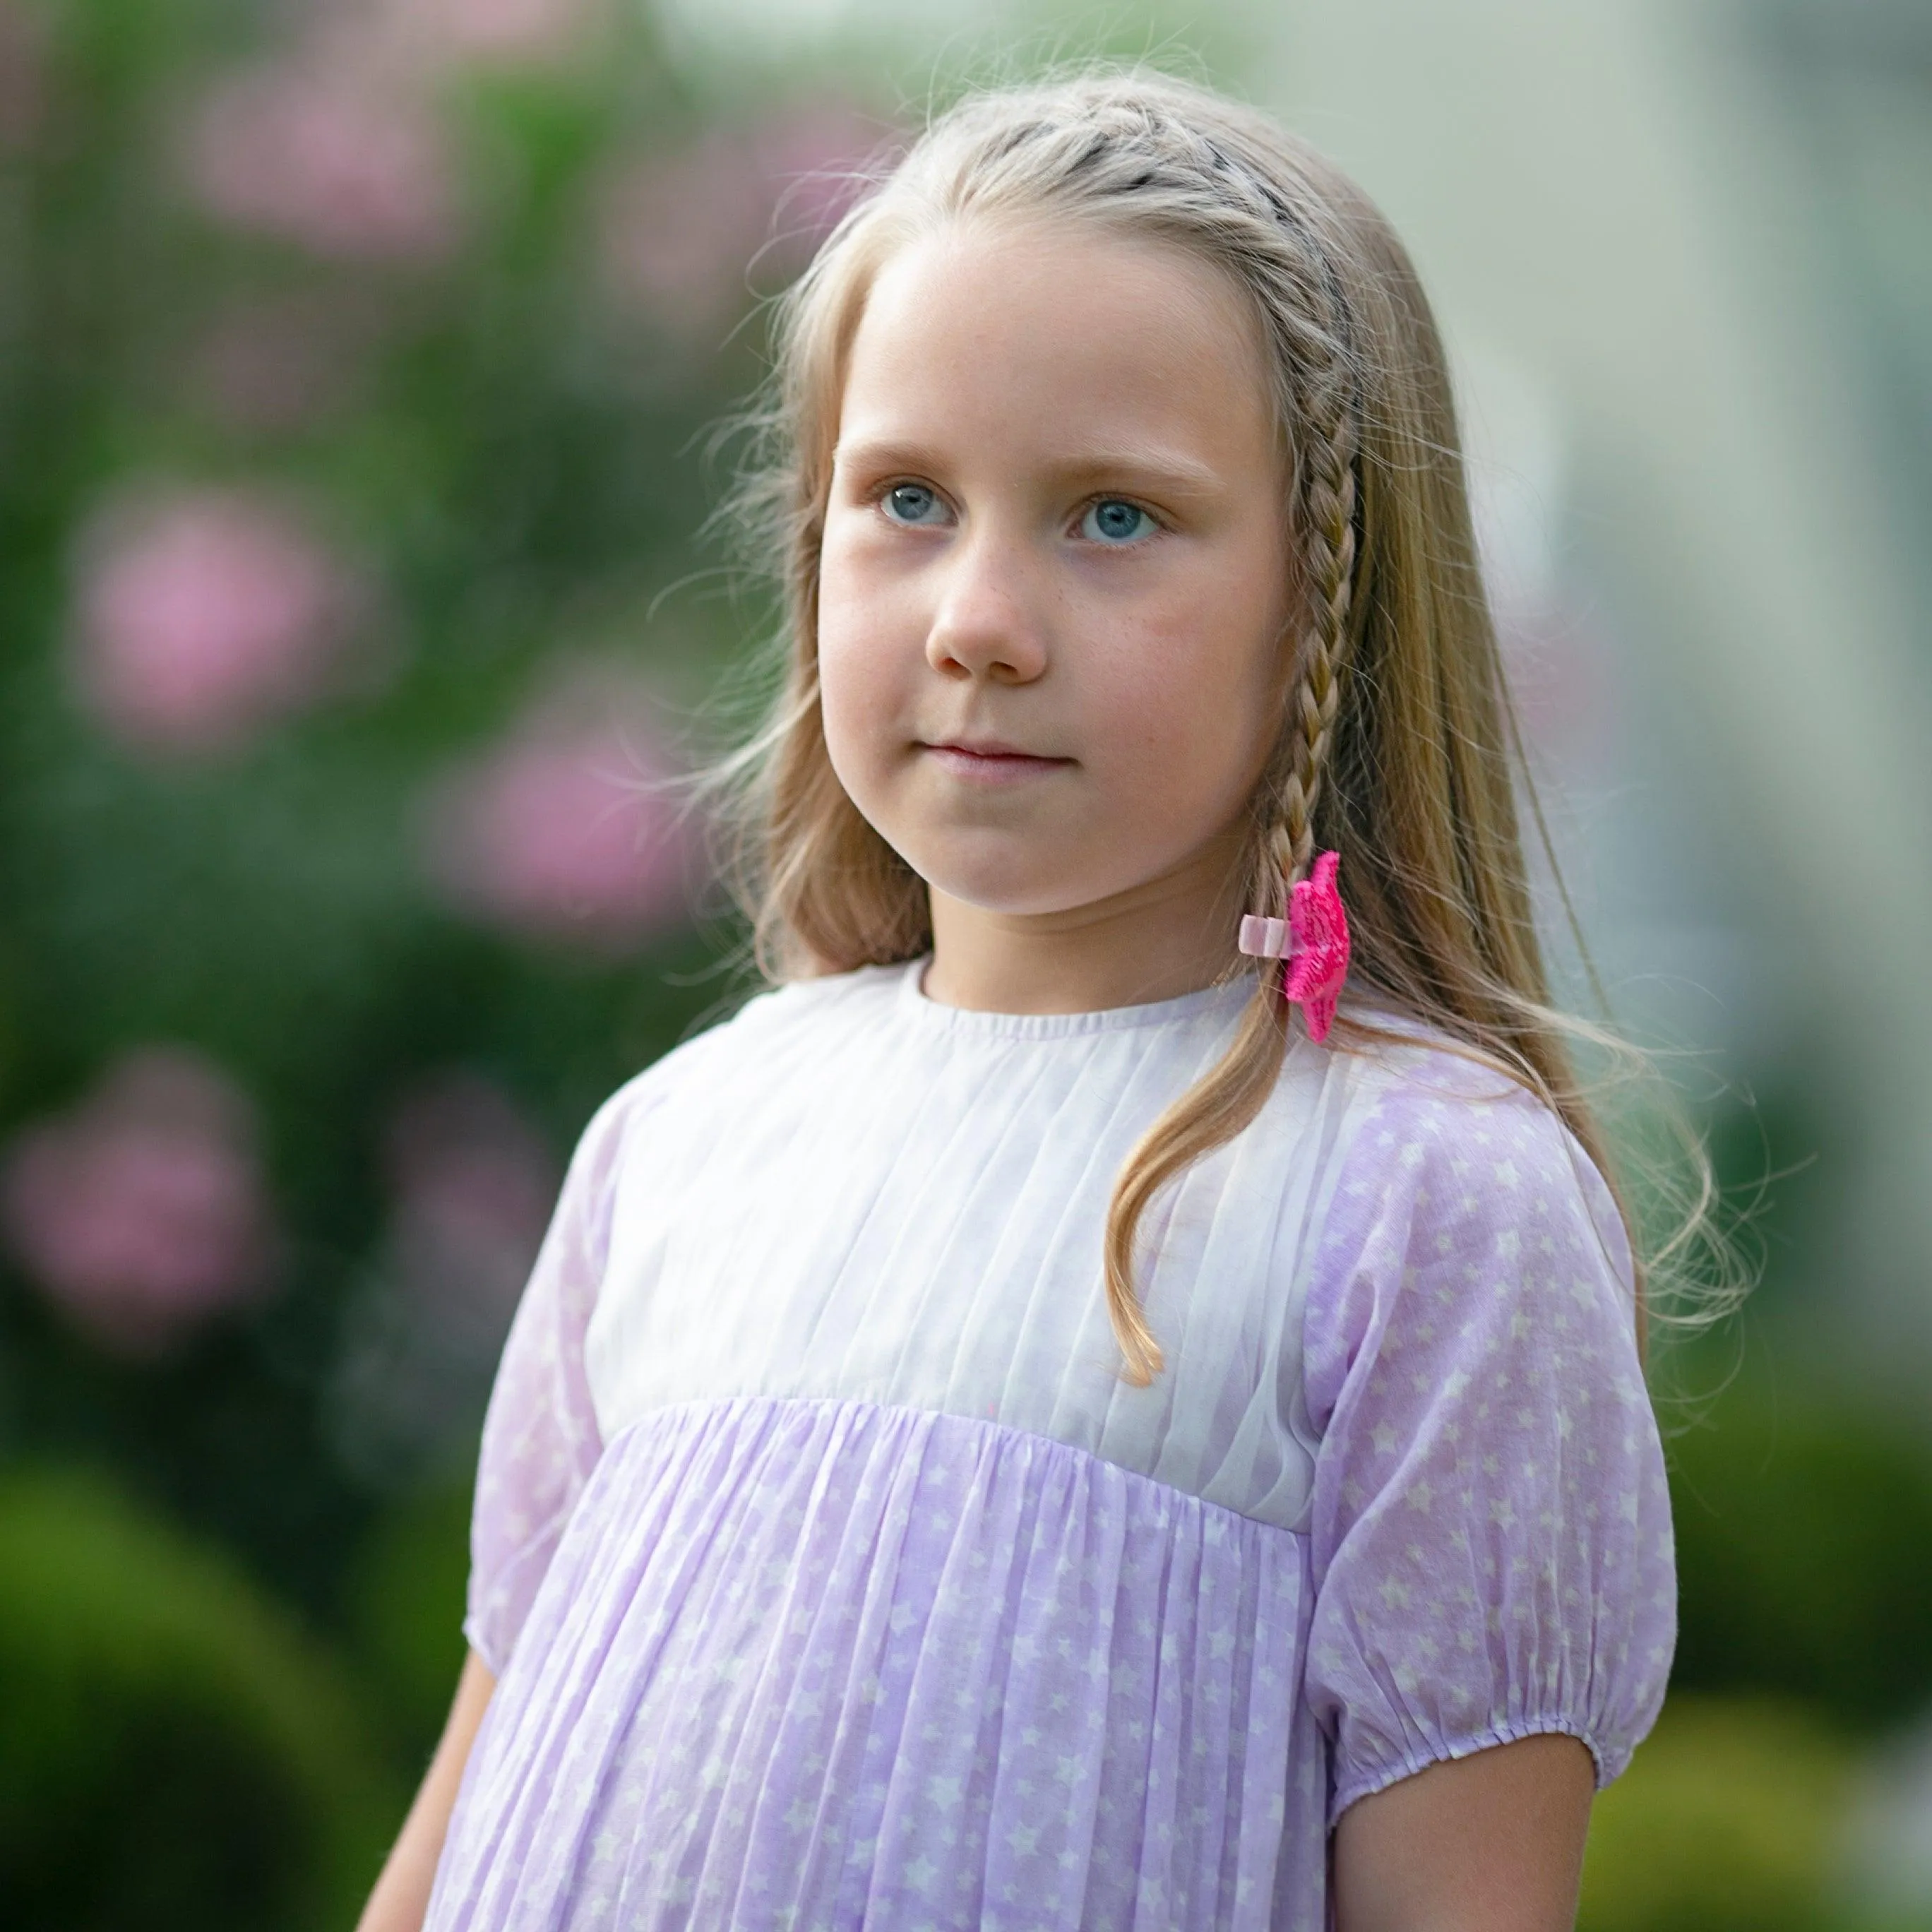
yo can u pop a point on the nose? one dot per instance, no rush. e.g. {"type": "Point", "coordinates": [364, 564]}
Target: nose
{"type": "Point", "coordinates": [986, 625]}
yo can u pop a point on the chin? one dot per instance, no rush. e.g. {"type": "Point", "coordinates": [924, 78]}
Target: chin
{"type": "Point", "coordinates": [1012, 891]}
{"type": "Point", "coordinates": [1014, 875]}
{"type": "Point", "coordinates": [993, 881]}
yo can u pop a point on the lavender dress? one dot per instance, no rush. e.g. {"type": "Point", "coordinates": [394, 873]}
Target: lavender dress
{"type": "Point", "coordinates": [834, 1578]}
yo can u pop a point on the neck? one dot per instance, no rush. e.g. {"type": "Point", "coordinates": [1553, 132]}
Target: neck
{"type": "Point", "coordinates": [1172, 935]}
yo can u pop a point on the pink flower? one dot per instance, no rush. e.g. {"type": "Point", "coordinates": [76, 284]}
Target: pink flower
{"type": "Point", "coordinates": [141, 1211]}
{"type": "Point", "coordinates": [205, 615]}
{"type": "Point", "coordinates": [678, 232]}
{"type": "Point", "coordinates": [474, 1185]}
{"type": "Point", "coordinates": [565, 831]}
{"type": "Point", "coordinates": [329, 156]}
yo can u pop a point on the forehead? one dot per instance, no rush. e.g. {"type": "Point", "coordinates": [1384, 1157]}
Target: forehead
{"type": "Point", "coordinates": [1032, 335]}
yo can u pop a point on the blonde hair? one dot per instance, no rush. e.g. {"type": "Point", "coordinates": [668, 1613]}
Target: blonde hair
{"type": "Point", "coordinates": [1396, 748]}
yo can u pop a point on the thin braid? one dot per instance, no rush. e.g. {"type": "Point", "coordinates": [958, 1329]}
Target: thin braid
{"type": "Point", "coordinates": [1328, 519]}
{"type": "Point", "coordinates": [1328, 550]}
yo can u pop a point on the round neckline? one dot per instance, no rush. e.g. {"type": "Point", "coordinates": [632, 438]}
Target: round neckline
{"type": "Point", "coordinates": [913, 1001]}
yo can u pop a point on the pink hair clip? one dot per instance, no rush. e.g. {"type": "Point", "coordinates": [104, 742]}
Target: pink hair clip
{"type": "Point", "coordinates": [1311, 943]}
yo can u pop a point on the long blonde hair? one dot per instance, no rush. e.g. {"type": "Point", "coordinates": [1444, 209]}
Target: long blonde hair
{"type": "Point", "coordinates": [1396, 747]}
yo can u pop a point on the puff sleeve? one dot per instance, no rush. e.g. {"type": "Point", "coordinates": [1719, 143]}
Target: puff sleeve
{"type": "Point", "coordinates": [540, 1439]}
{"type": "Point", "coordinates": [1490, 1539]}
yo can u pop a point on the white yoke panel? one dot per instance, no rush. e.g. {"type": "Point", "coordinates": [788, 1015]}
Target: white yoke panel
{"type": "Point", "coordinates": [850, 1191]}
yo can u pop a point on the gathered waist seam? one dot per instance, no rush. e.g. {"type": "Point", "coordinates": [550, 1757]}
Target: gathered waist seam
{"type": "Point", "coordinates": [694, 1406]}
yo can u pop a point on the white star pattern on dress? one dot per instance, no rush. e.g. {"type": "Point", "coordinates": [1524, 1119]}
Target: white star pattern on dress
{"type": "Point", "coordinates": [785, 1650]}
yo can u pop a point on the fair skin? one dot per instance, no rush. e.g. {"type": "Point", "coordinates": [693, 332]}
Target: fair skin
{"type": "Point", "coordinates": [1053, 575]}
{"type": "Point", "coordinates": [1053, 592]}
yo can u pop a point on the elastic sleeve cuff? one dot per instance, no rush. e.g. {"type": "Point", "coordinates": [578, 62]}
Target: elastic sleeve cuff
{"type": "Point", "coordinates": [485, 1647]}
{"type": "Point", "coordinates": [1365, 1780]}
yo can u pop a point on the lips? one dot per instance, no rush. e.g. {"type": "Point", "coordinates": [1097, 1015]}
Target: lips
{"type": "Point", "coordinates": [990, 759]}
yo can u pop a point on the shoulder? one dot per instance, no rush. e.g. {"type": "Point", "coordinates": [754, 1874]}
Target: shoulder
{"type": "Point", "coordinates": [1466, 1216]}
{"type": "Point", "coordinates": [1450, 1167]}
{"type": "Point", "coordinates": [1442, 1129]}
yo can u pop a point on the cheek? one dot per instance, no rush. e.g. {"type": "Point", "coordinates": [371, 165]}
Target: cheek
{"type": "Point", "coordinates": [1194, 711]}
{"type": "Point", "coordinates": [859, 676]}
{"type": "Point", "coordinates": [848, 703]}
{"type": "Point", "coordinates": [1177, 765]}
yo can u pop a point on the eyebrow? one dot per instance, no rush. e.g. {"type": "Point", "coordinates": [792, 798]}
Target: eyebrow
{"type": "Point", "coordinates": [1162, 472]}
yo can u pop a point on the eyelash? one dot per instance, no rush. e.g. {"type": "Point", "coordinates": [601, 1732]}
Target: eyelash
{"type": "Point", "coordinates": [880, 492]}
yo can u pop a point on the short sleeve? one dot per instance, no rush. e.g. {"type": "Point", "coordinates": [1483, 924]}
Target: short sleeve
{"type": "Point", "coordinates": [540, 1435]}
{"type": "Point", "coordinates": [1491, 1537]}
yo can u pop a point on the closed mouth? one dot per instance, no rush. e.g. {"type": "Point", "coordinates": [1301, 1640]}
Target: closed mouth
{"type": "Point", "coordinates": [992, 756]}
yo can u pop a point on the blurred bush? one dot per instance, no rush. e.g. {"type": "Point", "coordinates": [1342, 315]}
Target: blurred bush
{"type": "Point", "coordinates": [173, 1752]}
{"type": "Point", "coordinates": [356, 357]}
{"type": "Point", "coordinates": [1803, 1526]}
{"type": "Point", "coordinates": [356, 361]}
{"type": "Point", "coordinates": [1728, 1820]}
{"type": "Point", "coordinates": [406, 1605]}
{"type": "Point", "coordinates": [1804, 1531]}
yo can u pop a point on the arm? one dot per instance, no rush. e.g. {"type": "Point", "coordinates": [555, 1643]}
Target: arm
{"type": "Point", "coordinates": [1490, 1530]}
{"type": "Point", "coordinates": [401, 1896]}
{"type": "Point", "coordinates": [1489, 1843]}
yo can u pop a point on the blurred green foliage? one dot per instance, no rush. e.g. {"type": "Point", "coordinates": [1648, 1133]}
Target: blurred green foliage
{"type": "Point", "coordinates": [406, 1605]}
{"type": "Point", "coordinates": [1804, 1555]}
{"type": "Point", "coordinates": [173, 1751]}
{"type": "Point", "coordinates": [1725, 1821]}
{"type": "Point", "coordinates": [1803, 1528]}
{"type": "Point", "coordinates": [513, 461]}
{"type": "Point", "coordinates": [476, 386]}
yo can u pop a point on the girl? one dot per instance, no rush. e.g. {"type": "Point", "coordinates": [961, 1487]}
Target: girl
{"type": "Point", "coordinates": [1082, 1407]}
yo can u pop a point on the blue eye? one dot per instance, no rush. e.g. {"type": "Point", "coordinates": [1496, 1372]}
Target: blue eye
{"type": "Point", "coordinates": [1114, 520]}
{"type": "Point", "coordinates": [911, 503]}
